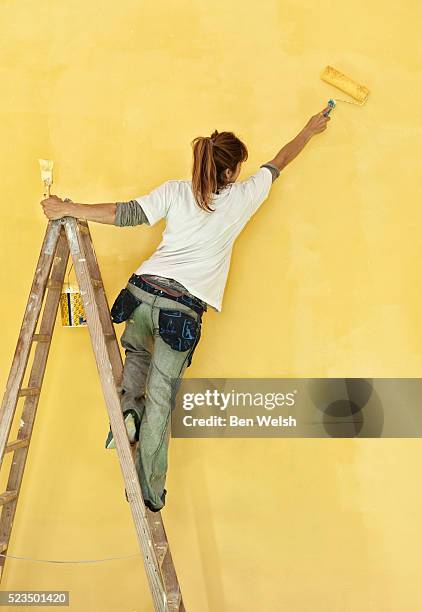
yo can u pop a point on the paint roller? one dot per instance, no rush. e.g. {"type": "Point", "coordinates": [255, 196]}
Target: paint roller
{"type": "Point", "coordinates": [345, 84]}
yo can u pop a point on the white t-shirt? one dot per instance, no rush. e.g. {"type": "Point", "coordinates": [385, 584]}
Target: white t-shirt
{"type": "Point", "coordinates": [196, 245]}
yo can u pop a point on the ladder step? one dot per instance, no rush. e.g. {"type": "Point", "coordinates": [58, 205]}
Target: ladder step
{"type": "Point", "coordinates": [161, 546]}
{"type": "Point", "coordinates": [160, 551]}
{"type": "Point", "coordinates": [3, 546]}
{"type": "Point", "coordinates": [29, 391]}
{"type": "Point", "coordinates": [7, 497]}
{"type": "Point", "coordinates": [96, 282]}
{"type": "Point", "coordinates": [19, 443]}
{"type": "Point", "coordinates": [174, 602]}
{"type": "Point", "coordinates": [54, 285]}
{"type": "Point", "coordinates": [41, 338]}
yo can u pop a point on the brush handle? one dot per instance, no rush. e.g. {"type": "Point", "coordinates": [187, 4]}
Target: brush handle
{"type": "Point", "coordinates": [46, 189]}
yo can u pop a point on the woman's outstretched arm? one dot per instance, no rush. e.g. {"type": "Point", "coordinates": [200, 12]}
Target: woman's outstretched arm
{"type": "Point", "coordinates": [315, 125]}
{"type": "Point", "coordinates": [114, 213]}
{"type": "Point", "coordinates": [56, 208]}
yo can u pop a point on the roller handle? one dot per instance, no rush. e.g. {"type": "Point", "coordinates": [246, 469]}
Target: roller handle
{"type": "Point", "coordinates": [331, 104]}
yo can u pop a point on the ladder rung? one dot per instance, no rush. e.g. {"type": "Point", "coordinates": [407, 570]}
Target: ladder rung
{"type": "Point", "coordinates": [3, 546]}
{"type": "Point", "coordinates": [41, 338]}
{"type": "Point", "coordinates": [160, 551]}
{"type": "Point", "coordinates": [29, 391]}
{"type": "Point", "coordinates": [174, 601]}
{"type": "Point", "coordinates": [19, 443]}
{"type": "Point", "coordinates": [109, 337]}
{"type": "Point", "coordinates": [54, 285]}
{"type": "Point", "coordinates": [96, 282]}
{"type": "Point", "coordinates": [7, 497]}
{"type": "Point", "coordinates": [83, 228]}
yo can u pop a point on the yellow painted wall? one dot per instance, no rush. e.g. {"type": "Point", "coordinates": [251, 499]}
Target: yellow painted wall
{"type": "Point", "coordinates": [114, 93]}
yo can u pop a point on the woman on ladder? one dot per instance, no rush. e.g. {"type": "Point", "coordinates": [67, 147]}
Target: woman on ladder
{"type": "Point", "coordinates": [164, 299]}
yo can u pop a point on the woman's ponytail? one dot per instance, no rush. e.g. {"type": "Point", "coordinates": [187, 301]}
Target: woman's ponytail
{"type": "Point", "coordinates": [211, 156]}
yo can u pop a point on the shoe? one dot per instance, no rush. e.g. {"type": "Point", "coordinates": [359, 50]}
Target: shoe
{"type": "Point", "coordinates": [147, 503]}
{"type": "Point", "coordinates": [132, 428]}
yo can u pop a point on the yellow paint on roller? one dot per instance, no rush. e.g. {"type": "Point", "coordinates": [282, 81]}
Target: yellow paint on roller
{"type": "Point", "coordinates": [344, 83]}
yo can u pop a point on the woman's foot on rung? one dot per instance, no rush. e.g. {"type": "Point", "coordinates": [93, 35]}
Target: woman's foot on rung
{"type": "Point", "coordinates": [132, 428]}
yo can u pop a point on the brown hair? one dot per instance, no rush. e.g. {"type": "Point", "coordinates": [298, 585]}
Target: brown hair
{"type": "Point", "coordinates": [211, 156]}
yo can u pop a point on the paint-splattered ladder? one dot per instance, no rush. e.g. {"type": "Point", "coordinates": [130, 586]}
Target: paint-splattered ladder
{"type": "Point", "coordinates": [63, 236]}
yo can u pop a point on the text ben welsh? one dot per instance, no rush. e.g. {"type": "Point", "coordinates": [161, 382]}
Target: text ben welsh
{"type": "Point", "coordinates": [235, 421]}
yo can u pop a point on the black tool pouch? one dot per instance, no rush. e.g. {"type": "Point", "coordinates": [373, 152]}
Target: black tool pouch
{"type": "Point", "coordinates": [124, 305]}
{"type": "Point", "coordinates": [180, 330]}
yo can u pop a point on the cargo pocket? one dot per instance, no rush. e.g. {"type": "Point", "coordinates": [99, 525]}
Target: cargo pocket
{"type": "Point", "coordinates": [124, 305]}
{"type": "Point", "coordinates": [178, 329]}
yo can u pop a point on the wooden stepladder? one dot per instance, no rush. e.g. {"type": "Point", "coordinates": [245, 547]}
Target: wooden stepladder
{"type": "Point", "coordinates": [64, 236]}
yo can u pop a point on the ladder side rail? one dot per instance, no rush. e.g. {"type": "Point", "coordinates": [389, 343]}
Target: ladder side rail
{"type": "Point", "coordinates": [168, 571]}
{"type": "Point", "coordinates": [29, 323]}
{"type": "Point", "coordinates": [36, 378]}
{"type": "Point", "coordinates": [112, 401]}
{"type": "Point", "coordinates": [102, 302]}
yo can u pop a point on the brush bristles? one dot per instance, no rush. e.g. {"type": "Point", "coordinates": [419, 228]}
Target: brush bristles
{"type": "Point", "coordinates": [46, 166]}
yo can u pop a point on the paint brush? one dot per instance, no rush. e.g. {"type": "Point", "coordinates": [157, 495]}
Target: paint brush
{"type": "Point", "coordinates": [46, 166]}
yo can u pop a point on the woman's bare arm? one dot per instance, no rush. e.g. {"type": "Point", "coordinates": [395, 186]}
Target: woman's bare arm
{"type": "Point", "coordinates": [315, 125]}
{"type": "Point", "coordinates": [56, 208]}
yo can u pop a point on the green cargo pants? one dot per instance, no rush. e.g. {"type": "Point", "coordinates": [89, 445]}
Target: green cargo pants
{"type": "Point", "coordinates": [153, 368]}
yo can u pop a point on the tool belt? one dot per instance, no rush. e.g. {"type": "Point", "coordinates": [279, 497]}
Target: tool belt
{"type": "Point", "coordinates": [196, 304]}
{"type": "Point", "coordinates": [123, 306]}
